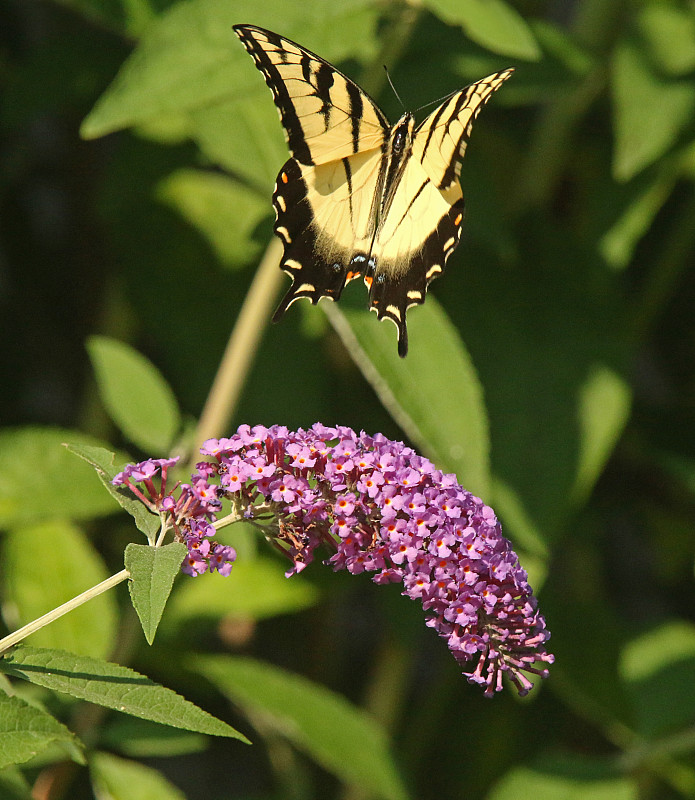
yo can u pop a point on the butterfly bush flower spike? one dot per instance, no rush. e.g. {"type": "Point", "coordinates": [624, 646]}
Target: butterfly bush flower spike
{"type": "Point", "coordinates": [376, 506]}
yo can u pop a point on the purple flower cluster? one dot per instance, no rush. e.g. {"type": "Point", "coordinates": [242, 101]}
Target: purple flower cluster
{"type": "Point", "coordinates": [188, 509]}
{"type": "Point", "coordinates": [378, 507]}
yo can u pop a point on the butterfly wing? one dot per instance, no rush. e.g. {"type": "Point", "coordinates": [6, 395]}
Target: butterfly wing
{"type": "Point", "coordinates": [326, 116]}
{"type": "Point", "coordinates": [322, 195]}
{"type": "Point", "coordinates": [423, 224]}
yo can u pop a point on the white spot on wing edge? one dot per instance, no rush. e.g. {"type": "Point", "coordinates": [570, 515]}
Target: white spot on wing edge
{"type": "Point", "coordinates": [413, 294]}
{"type": "Point", "coordinates": [280, 200]}
{"type": "Point", "coordinates": [435, 269]}
{"type": "Point", "coordinates": [284, 234]}
{"type": "Point", "coordinates": [449, 244]}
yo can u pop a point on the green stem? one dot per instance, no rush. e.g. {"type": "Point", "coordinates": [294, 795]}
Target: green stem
{"type": "Point", "coordinates": [41, 622]}
{"type": "Point", "coordinates": [241, 348]}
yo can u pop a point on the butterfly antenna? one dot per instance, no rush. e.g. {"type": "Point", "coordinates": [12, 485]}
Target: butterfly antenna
{"type": "Point", "coordinates": [388, 78]}
{"type": "Point", "coordinates": [435, 102]}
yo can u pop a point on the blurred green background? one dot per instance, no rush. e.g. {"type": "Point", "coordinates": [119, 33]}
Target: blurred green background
{"type": "Point", "coordinates": [551, 368]}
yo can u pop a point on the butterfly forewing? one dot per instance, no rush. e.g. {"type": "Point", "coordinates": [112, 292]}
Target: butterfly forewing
{"type": "Point", "coordinates": [326, 116]}
{"type": "Point", "coordinates": [441, 139]}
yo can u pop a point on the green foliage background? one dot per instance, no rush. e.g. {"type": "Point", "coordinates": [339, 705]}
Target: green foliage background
{"type": "Point", "coordinates": [551, 368]}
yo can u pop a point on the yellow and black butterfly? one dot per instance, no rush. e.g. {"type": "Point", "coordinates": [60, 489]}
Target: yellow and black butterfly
{"type": "Point", "coordinates": [359, 196]}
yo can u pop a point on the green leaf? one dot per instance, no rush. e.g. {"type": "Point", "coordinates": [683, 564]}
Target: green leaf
{"type": "Point", "coordinates": [658, 667]}
{"type": "Point", "coordinates": [257, 589]}
{"type": "Point", "coordinates": [122, 16]}
{"type": "Point", "coordinates": [135, 394]}
{"type": "Point", "coordinates": [433, 394]}
{"type": "Point", "coordinates": [527, 534]}
{"type": "Point", "coordinates": [340, 737]}
{"type": "Point", "coordinates": [152, 572]}
{"type": "Point", "coordinates": [190, 58]}
{"type": "Point", "coordinates": [102, 461]}
{"type": "Point", "coordinates": [26, 731]}
{"type": "Point", "coordinates": [650, 112]}
{"type": "Point", "coordinates": [140, 738]}
{"type": "Point", "coordinates": [565, 778]}
{"type": "Point", "coordinates": [120, 779]}
{"type": "Point", "coordinates": [112, 686]}
{"type": "Point", "coordinates": [243, 135]}
{"type": "Point", "coordinates": [184, 60]}
{"type": "Point", "coordinates": [618, 243]}
{"type": "Point", "coordinates": [224, 211]}
{"type": "Point", "coordinates": [493, 24]}
{"type": "Point", "coordinates": [74, 566]}
{"type": "Point", "coordinates": [61, 486]}
{"type": "Point", "coordinates": [604, 408]}
{"type": "Point", "coordinates": [669, 35]}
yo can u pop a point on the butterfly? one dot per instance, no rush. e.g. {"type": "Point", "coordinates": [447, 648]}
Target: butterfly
{"type": "Point", "coordinates": [361, 197]}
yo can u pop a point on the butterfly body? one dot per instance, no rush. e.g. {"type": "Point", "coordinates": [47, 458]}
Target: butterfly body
{"type": "Point", "coordinates": [360, 197]}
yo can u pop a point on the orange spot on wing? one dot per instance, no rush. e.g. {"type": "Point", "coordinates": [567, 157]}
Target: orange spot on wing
{"type": "Point", "coordinates": [368, 282]}
{"type": "Point", "coordinates": [285, 179]}
{"type": "Point", "coordinates": [351, 276]}
{"type": "Point", "coordinates": [458, 219]}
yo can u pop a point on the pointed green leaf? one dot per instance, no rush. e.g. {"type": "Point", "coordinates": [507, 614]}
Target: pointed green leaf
{"type": "Point", "coordinates": [669, 34]}
{"type": "Point", "coordinates": [493, 24]}
{"type": "Point", "coordinates": [121, 779]}
{"type": "Point", "coordinates": [26, 731]}
{"type": "Point", "coordinates": [112, 686]}
{"type": "Point", "coordinates": [61, 486]}
{"type": "Point", "coordinates": [339, 736]}
{"type": "Point", "coordinates": [604, 408]}
{"type": "Point", "coordinates": [658, 667]}
{"type": "Point", "coordinates": [103, 462]}
{"type": "Point", "coordinates": [650, 111]}
{"type": "Point", "coordinates": [135, 394]}
{"type": "Point", "coordinates": [224, 211]}
{"type": "Point", "coordinates": [184, 60]}
{"type": "Point", "coordinates": [434, 393]}
{"type": "Point", "coordinates": [618, 243]}
{"type": "Point", "coordinates": [72, 566]}
{"type": "Point", "coordinates": [152, 572]}
{"type": "Point", "coordinates": [243, 135]}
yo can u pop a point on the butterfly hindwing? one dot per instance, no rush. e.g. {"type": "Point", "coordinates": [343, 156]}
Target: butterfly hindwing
{"type": "Point", "coordinates": [314, 275]}
{"type": "Point", "coordinates": [360, 197]}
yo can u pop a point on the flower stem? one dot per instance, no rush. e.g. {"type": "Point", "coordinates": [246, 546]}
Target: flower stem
{"type": "Point", "coordinates": [41, 622]}
{"type": "Point", "coordinates": [241, 347]}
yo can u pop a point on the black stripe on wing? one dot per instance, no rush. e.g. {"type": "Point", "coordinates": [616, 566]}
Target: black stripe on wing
{"type": "Point", "coordinates": [391, 297]}
{"type": "Point", "coordinates": [312, 276]}
{"type": "Point", "coordinates": [288, 115]}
